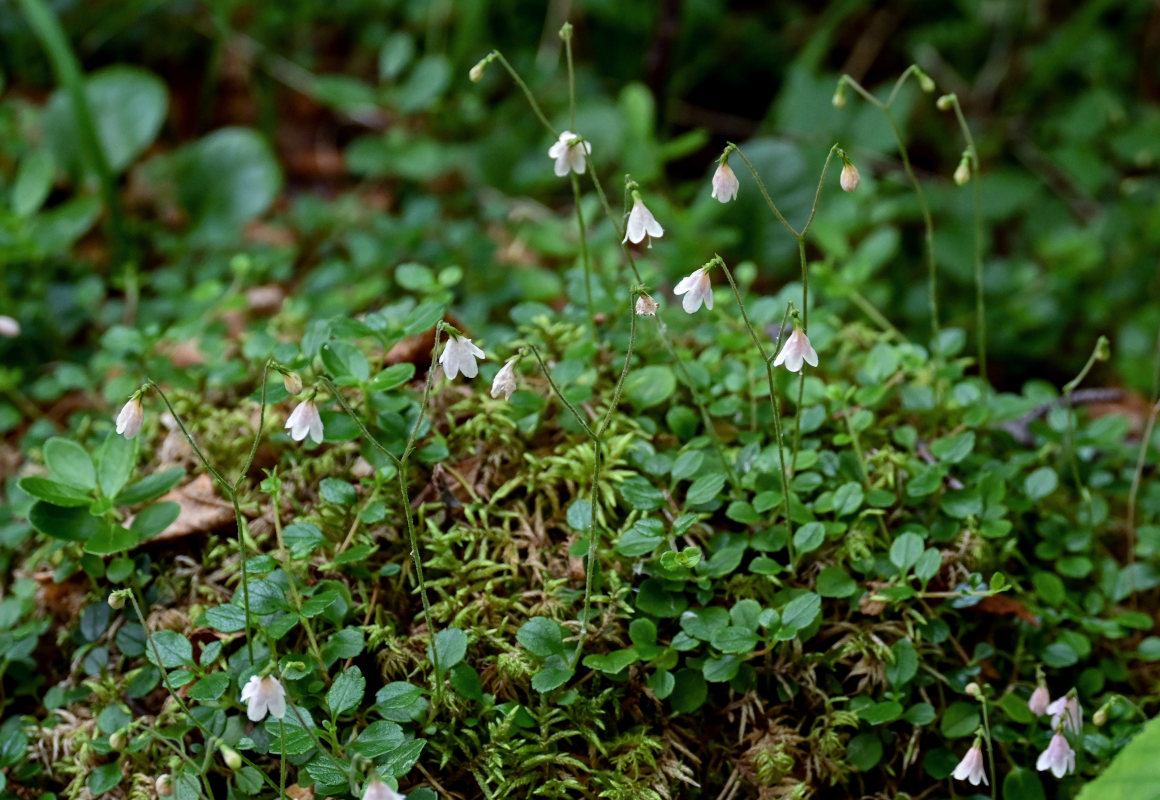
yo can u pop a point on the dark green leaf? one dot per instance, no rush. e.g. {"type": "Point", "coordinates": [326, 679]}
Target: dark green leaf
{"type": "Point", "coordinates": [347, 691]}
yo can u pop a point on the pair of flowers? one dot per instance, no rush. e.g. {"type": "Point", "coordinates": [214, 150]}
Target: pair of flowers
{"type": "Point", "coordinates": [1059, 757]}
{"type": "Point", "coordinates": [571, 155]}
{"type": "Point", "coordinates": [266, 695]}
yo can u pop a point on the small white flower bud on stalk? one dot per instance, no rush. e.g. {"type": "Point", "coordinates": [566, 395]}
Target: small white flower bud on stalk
{"type": "Point", "coordinates": [945, 102]}
{"type": "Point", "coordinates": [292, 383]}
{"type": "Point", "coordinates": [963, 172]}
{"type": "Point", "coordinates": [973, 689]}
{"type": "Point", "coordinates": [476, 73]}
{"type": "Point", "coordinates": [925, 82]}
{"type": "Point", "coordinates": [231, 757]}
{"type": "Point", "coordinates": [1040, 700]}
{"type": "Point", "coordinates": [1100, 718]}
{"type": "Point", "coordinates": [839, 98]}
{"type": "Point", "coordinates": [130, 418]}
{"type": "Point", "coordinates": [163, 785]}
{"type": "Point", "coordinates": [9, 327]}
{"type": "Point", "coordinates": [850, 177]}
{"type": "Point", "coordinates": [725, 184]}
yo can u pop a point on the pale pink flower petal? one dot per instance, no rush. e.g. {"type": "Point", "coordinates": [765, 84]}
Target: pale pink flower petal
{"type": "Point", "coordinates": [797, 349]}
{"type": "Point", "coordinates": [1039, 701]}
{"type": "Point", "coordinates": [377, 790]}
{"type": "Point", "coordinates": [725, 183]}
{"type": "Point", "coordinates": [1068, 709]}
{"type": "Point", "coordinates": [130, 417]}
{"type": "Point", "coordinates": [458, 356]}
{"type": "Point", "coordinates": [971, 768]}
{"type": "Point", "coordinates": [641, 224]}
{"type": "Point", "coordinates": [697, 289]}
{"type": "Point", "coordinates": [570, 155]}
{"type": "Point", "coordinates": [262, 696]}
{"type": "Point", "coordinates": [305, 420]}
{"type": "Point", "coordinates": [1058, 757]}
{"type": "Point", "coordinates": [505, 380]}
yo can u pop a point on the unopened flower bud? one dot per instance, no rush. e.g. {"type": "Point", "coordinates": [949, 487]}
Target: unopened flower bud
{"type": "Point", "coordinates": [118, 740]}
{"type": "Point", "coordinates": [646, 306]}
{"type": "Point", "coordinates": [973, 689]}
{"type": "Point", "coordinates": [925, 81]}
{"type": "Point", "coordinates": [1103, 349]}
{"type": "Point", "coordinates": [1100, 718]}
{"type": "Point", "coordinates": [117, 600]}
{"type": "Point", "coordinates": [963, 172]}
{"type": "Point", "coordinates": [163, 785]}
{"type": "Point", "coordinates": [231, 757]}
{"type": "Point", "coordinates": [9, 327]}
{"type": "Point", "coordinates": [292, 382]}
{"type": "Point", "coordinates": [839, 98]}
{"type": "Point", "coordinates": [476, 72]}
{"type": "Point", "coordinates": [945, 103]}
{"type": "Point", "coordinates": [850, 177]}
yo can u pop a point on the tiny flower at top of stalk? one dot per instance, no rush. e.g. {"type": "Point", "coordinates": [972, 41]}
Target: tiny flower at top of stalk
{"type": "Point", "coordinates": [9, 327]}
{"type": "Point", "coordinates": [1040, 700]}
{"type": "Point", "coordinates": [924, 81]}
{"type": "Point", "coordinates": [571, 153]}
{"type": "Point", "coordinates": [303, 420]}
{"type": "Point", "coordinates": [377, 790]}
{"type": "Point", "coordinates": [971, 767]}
{"type": "Point", "coordinates": [231, 757]}
{"type": "Point", "coordinates": [946, 102]}
{"type": "Point", "coordinates": [505, 380]}
{"type": "Point", "coordinates": [459, 355]}
{"type": "Point", "coordinates": [262, 695]}
{"type": "Point", "coordinates": [1058, 757]}
{"type": "Point", "coordinates": [839, 98]}
{"type": "Point", "coordinates": [697, 289]}
{"type": "Point", "coordinates": [796, 350]}
{"type": "Point", "coordinates": [641, 223]}
{"type": "Point", "coordinates": [850, 177]}
{"type": "Point", "coordinates": [131, 416]}
{"type": "Point", "coordinates": [646, 306]}
{"type": "Point", "coordinates": [1067, 711]}
{"type": "Point", "coordinates": [725, 183]}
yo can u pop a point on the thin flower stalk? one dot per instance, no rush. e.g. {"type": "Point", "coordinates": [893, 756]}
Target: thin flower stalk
{"type": "Point", "coordinates": [927, 220]}
{"type": "Point", "coordinates": [972, 155]}
{"type": "Point", "coordinates": [774, 405]}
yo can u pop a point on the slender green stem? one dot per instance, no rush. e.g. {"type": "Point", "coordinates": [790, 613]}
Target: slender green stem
{"type": "Point", "coordinates": [619, 388]}
{"type": "Point", "coordinates": [990, 748]}
{"type": "Point", "coordinates": [295, 595]}
{"type": "Point", "coordinates": [282, 770]}
{"type": "Point", "coordinates": [258, 433]}
{"type": "Point", "coordinates": [559, 393]}
{"type": "Point", "coordinates": [531, 98]}
{"type": "Point", "coordinates": [1145, 443]}
{"type": "Point", "coordinates": [418, 561]}
{"type": "Point", "coordinates": [566, 35]}
{"type": "Point", "coordinates": [350, 412]}
{"type": "Point", "coordinates": [584, 253]}
{"type": "Point", "coordinates": [426, 397]}
{"type": "Point", "coordinates": [765, 192]}
{"type": "Point", "coordinates": [231, 492]}
{"type": "Point", "coordinates": [67, 70]}
{"type": "Point", "coordinates": [1098, 354]}
{"type": "Point", "coordinates": [773, 404]}
{"type": "Point", "coordinates": [980, 301]}
{"type": "Point", "coordinates": [927, 219]}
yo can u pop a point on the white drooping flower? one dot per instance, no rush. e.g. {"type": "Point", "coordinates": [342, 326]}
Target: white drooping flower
{"type": "Point", "coordinates": [641, 224]}
{"type": "Point", "coordinates": [725, 183]}
{"type": "Point", "coordinates": [9, 327]}
{"type": "Point", "coordinates": [303, 420]}
{"type": "Point", "coordinates": [796, 350]}
{"type": "Point", "coordinates": [458, 356]}
{"type": "Point", "coordinates": [1068, 710]}
{"type": "Point", "coordinates": [262, 696]}
{"type": "Point", "coordinates": [377, 790]}
{"type": "Point", "coordinates": [646, 306]}
{"type": "Point", "coordinates": [505, 380]}
{"type": "Point", "coordinates": [971, 767]}
{"type": "Point", "coordinates": [696, 289]}
{"type": "Point", "coordinates": [570, 154]}
{"type": "Point", "coordinates": [130, 418]}
{"type": "Point", "coordinates": [850, 177]}
{"type": "Point", "coordinates": [1039, 701]}
{"type": "Point", "coordinates": [1058, 757]}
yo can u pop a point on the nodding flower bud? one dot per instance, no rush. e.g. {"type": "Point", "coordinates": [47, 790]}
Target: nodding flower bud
{"type": "Point", "coordinates": [231, 757]}
{"type": "Point", "coordinates": [1100, 718]}
{"type": "Point", "coordinates": [973, 689]}
{"type": "Point", "coordinates": [945, 103]}
{"type": "Point", "coordinates": [1103, 349]}
{"type": "Point", "coordinates": [292, 382]}
{"type": "Point", "coordinates": [476, 72]}
{"type": "Point", "coordinates": [163, 785]}
{"type": "Point", "coordinates": [118, 740]}
{"type": "Point", "coordinates": [117, 600]}
{"type": "Point", "coordinates": [925, 81]}
{"type": "Point", "coordinates": [963, 171]}
{"type": "Point", "coordinates": [839, 98]}
{"type": "Point", "coordinates": [850, 177]}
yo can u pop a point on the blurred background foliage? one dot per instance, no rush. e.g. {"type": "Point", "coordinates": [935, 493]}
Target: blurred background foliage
{"type": "Point", "coordinates": [329, 142]}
